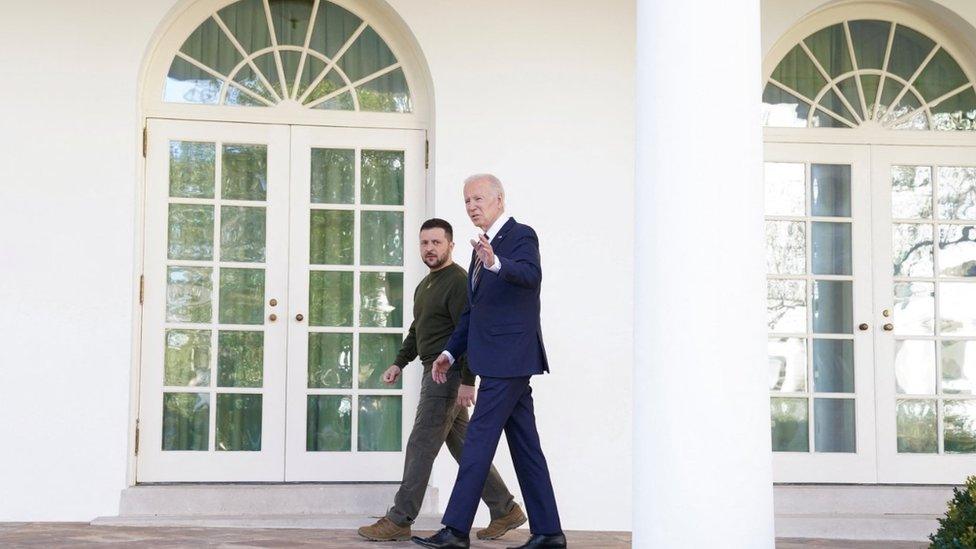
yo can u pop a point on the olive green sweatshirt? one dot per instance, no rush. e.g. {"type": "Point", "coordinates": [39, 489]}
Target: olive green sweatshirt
{"type": "Point", "coordinates": [438, 303]}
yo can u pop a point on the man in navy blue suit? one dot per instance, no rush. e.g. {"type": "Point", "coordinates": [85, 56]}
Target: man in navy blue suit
{"type": "Point", "coordinates": [500, 332]}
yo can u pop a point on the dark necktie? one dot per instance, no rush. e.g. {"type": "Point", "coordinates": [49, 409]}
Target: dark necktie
{"type": "Point", "coordinates": [477, 269]}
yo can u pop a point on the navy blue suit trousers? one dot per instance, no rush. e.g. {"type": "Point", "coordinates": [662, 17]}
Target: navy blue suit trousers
{"type": "Point", "coordinates": [504, 404]}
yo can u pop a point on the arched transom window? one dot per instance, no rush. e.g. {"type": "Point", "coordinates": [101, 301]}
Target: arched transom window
{"type": "Point", "coordinates": [869, 71]}
{"type": "Point", "coordinates": [262, 53]}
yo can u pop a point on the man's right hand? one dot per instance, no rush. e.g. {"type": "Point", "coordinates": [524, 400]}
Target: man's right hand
{"type": "Point", "coordinates": [392, 374]}
{"type": "Point", "coordinates": [466, 395]}
{"type": "Point", "coordinates": [439, 370]}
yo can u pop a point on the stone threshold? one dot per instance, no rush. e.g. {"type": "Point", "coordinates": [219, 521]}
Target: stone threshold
{"type": "Point", "coordinates": [275, 521]}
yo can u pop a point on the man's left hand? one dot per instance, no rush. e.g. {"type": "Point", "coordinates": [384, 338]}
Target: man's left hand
{"type": "Point", "coordinates": [465, 396]}
{"type": "Point", "coordinates": [484, 250]}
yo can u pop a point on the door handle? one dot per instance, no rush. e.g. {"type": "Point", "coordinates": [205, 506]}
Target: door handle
{"type": "Point", "coordinates": [299, 317]}
{"type": "Point", "coordinates": [863, 326]}
{"type": "Point", "coordinates": [888, 327]}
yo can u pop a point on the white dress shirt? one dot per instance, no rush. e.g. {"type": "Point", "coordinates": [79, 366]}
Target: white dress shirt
{"type": "Point", "coordinates": [491, 233]}
{"type": "Point", "coordinates": [497, 265]}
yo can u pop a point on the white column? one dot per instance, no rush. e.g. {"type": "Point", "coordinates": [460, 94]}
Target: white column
{"type": "Point", "coordinates": [702, 460]}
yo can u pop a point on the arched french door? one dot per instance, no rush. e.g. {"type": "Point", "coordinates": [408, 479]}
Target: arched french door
{"type": "Point", "coordinates": [285, 170]}
{"type": "Point", "coordinates": [871, 240]}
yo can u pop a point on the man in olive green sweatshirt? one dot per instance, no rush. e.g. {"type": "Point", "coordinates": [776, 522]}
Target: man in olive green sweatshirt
{"type": "Point", "coordinates": [442, 414]}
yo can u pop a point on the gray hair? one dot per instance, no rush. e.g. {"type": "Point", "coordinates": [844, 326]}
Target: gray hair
{"type": "Point", "coordinates": [496, 184]}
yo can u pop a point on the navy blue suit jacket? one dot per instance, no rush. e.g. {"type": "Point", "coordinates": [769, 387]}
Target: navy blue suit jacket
{"type": "Point", "coordinates": [500, 330]}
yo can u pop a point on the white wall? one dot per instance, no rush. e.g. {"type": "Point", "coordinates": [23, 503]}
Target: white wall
{"type": "Point", "coordinates": [540, 93]}
{"type": "Point", "coordinates": [68, 149]}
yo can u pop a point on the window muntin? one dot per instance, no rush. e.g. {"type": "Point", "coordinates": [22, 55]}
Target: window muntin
{"type": "Point", "coordinates": [356, 273]}
{"type": "Point", "coordinates": [934, 323]}
{"type": "Point", "coordinates": [261, 53]}
{"type": "Point", "coordinates": [860, 71]}
{"type": "Point", "coordinates": [809, 253]}
{"type": "Point", "coordinates": [216, 282]}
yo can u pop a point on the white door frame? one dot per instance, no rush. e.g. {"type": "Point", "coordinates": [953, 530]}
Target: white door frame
{"type": "Point", "coordinates": [286, 339]}
{"type": "Point", "coordinates": [154, 464]}
{"type": "Point", "coordinates": [812, 466]}
{"type": "Point", "coordinates": [170, 34]}
{"type": "Point", "coordinates": [352, 465]}
{"type": "Point", "coordinates": [886, 148]}
{"type": "Point", "coordinates": [894, 467]}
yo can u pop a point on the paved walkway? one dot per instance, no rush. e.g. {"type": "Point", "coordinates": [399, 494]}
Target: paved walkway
{"type": "Point", "coordinates": [80, 535]}
{"type": "Point", "coordinates": [834, 544]}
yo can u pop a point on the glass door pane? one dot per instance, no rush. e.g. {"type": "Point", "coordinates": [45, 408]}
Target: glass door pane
{"type": "Point", "coordinates": [213, 377]}
{"type": "Point", "coordinates": [927, 298]}
{"type": "Point", "coordinates": [818, 280]}
{"type": "Point", "coordinates": [357, 199]}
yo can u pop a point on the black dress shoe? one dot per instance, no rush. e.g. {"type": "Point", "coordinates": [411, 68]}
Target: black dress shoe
{"type": "Point", "coordinates": [538, 541]}
{"type": "Point", "coordinates": [446, 539]}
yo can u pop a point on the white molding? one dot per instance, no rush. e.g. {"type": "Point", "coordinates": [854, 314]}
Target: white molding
{"type": "Point", "coordinates": [811, 465]}
{"type": "Point", "coordinates": [169, 35]}
{"type": "Point", "coordinates": [894, 11]}
{"type": "Point", "coordinates": [869, 136]}
{"type": "Point", "coordinates": [355, 464]}
{"type": "Point", "coordinates": [956, 44]}
{"type": "Point", "coordinates": [267, 463]}
{"type": "Point", "coordinates": [189, 14]}
{"type": "Point", "coordinates": [135, 334]}
{"type": "Point", "coordinates": [894, 466]}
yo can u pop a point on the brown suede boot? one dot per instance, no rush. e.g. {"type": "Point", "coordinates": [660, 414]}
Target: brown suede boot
{"type": "Point", "coordinates": [498, 527]}
{"type": "Point", "coordinates": [385, 530]}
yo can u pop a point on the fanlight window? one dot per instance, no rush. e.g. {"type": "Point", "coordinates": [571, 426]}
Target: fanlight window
{"type": "Point", "coordinates": [862, 71]}
{"type": "Point", "coordinates": [264, 52]}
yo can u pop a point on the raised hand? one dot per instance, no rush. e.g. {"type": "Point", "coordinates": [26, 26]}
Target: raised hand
{"type": "Point", "coordinates": [485, 252]}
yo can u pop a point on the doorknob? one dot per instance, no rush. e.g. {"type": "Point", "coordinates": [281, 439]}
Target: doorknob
{"type": "Point", "coordinates": [273, 302]}
{"type": "Point", "coordinates": [272, 317]}
{"type": "Point", "coordinates": [863, 326]}
{"type": "Point", "coordinates": [888, 327]}
{"type": "Point", "coordinates": [299, 317]}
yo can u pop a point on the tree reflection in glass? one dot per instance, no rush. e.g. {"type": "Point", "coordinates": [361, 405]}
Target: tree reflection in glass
{"type": "Point", "coordinates": [330, 360]}
{"type": "Point", "coordinates": [790, 428]}
{"type": "Point", "coordinates": [381, 300]}
{"type": "Point", "coordinates": [186, 421]}
{"type": "Point", "coordinates": [187, 358]}
{"type": "Point", "coordinates": [917, 428]}
{"type": "Point", "coordinates": [787, 364]}
{"type": "Point", "coordinates": [785, 247]}
{"type": "Point", "coordinates": [328, 426]}
{"type": "Point", "coordinates": [188, 294]}
{"type": "Point", "coordinates": [786, 306]}
{"type": "Point", "coordinates": [960, 426]}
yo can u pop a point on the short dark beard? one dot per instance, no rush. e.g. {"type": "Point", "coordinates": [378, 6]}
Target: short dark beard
{"type": "Point", "coordinates": [440, 263]}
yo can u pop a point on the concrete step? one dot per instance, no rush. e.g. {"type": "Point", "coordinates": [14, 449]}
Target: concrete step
{"type": "Point", "coordinates": [859, 512]}
{"type": "Point", "coordinates": [306, 521]}
{"type": "Point", "coordinates": [265, 500]}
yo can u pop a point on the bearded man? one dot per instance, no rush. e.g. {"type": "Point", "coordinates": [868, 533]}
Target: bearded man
{"type": "Point", "coordinates": [442, 414]}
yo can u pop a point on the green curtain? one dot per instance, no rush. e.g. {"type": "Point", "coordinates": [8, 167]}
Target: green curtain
{"type": "Point", "coordinates": [332, 28]}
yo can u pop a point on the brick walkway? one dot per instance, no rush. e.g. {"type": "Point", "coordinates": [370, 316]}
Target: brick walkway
{"type": "Point", "coordinates": [80, 535]}
{"type": "Point", "coordinates": [833, 544]}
